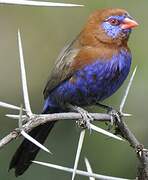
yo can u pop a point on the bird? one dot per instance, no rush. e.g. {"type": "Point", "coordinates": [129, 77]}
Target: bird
{"type": "Point", "coordinates": [88, 70]}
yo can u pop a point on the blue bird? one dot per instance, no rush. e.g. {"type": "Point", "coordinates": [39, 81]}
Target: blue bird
{"type": "Point", "coordinates": [87, 71]}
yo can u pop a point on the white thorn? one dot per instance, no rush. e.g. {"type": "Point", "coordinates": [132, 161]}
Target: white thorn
{"type": "Point", "coordinates": [126, 114]}
{"type": "Point", "coordinates": [127, 90]}
{"type": "Point", "coordinates": [27, 136]}
{"type": "Point", "coordinates": [13, 116]}
{"type": "Point", "coordinates": [89, 169]}
{"type": "Point", "coordinates": [9, 106]}
{"type": "Point", "coordinates": [83, 173]}
{"type": "Point", "coordinates": [38, 3]}
{"type": "Point", "coordinates": [80, 143]}
{"type": "Point", "coordinates": [20, 119]}
{"type": "Point", "coordinates": [23, 77]}
{"type": "Point", "coordinates": [102, 131]}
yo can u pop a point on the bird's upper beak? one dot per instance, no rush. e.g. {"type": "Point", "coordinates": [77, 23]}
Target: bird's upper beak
{"type": "Point", "coordinates": [129, 23]}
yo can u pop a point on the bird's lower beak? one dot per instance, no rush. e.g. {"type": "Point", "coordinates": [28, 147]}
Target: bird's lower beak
{"type": "Point", "coordinates": [129, 24]}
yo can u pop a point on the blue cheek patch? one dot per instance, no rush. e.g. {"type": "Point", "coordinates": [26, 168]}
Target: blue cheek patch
{"type": "Point", "coordinates": [112, 31]}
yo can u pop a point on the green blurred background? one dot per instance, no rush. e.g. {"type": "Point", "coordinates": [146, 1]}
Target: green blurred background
{"type": "Point", "coordinates": [44, 32]}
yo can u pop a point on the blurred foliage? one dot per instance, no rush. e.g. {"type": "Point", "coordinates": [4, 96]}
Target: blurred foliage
{"type": "Point", "coordinates": [44, 32]}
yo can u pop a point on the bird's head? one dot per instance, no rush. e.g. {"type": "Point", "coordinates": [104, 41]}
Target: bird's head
{"type": "Point", "coordinates": [109, 26]}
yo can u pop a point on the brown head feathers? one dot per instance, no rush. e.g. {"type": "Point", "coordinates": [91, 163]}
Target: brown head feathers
{"type": "Point", "coordinates": [93, 33]}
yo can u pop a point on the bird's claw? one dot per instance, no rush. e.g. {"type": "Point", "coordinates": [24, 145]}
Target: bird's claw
{"type": "Point", "coordinates": [140, 150]}
{"type": "Point", "coordinates": [83, 124]}
{"type": "Point", "coordinates": [115, 115]}
{"type": "Point", "coordinates": [86, 118]}
{"type": "Point", "coordinates": [110, 124]}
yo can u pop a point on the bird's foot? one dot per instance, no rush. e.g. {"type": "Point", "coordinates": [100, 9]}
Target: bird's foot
{"type": "Point", "coordinates": [115, 115]}
{"type": "Point", "coordinates": [86, 117]}
{"type": "Point", "coordinates": [115, 119]}
{"type": "Point", "coordinates": [140, 150]}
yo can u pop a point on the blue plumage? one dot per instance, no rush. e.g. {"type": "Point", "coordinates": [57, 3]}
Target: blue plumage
{"type": "Point", "coordinates": [94, 83]}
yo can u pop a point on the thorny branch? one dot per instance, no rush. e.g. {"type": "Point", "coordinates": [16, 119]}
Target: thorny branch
{"type": "Point", "coordinates": [37, 120]}
{"type": "Point", "coordinates": [31, 121]}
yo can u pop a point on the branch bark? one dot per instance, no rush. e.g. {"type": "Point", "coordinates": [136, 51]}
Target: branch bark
{"type": "Point", "coordinates": [36, 120]}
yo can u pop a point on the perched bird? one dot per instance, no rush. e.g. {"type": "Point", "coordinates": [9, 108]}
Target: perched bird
{"type": "Point", "coordinates": [87, 71]}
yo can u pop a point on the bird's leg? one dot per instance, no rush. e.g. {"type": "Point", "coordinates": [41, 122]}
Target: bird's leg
{"type": "Point", "coordinates": [115, 115]}
{"type": "Point", "coordinates": [86, 117]}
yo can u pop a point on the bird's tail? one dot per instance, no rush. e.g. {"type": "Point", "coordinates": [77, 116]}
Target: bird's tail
{"type": "Point", "coordinates": [27, 151]}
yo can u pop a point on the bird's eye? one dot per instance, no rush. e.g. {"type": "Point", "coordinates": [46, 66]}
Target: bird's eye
{"type": "Point", "coordinates": [114, 22]}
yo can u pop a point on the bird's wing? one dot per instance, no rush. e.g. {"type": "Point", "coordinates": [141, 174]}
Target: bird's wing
{"type": "Point", "coordinates": [61, 70]}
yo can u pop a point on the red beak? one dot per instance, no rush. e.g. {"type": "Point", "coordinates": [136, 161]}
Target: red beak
{"type": "Point", "coordinates": [129, 24]}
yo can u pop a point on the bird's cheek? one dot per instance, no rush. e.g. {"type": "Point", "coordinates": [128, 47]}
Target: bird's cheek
{"type": "Point", "coordinates": [111, 31]}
